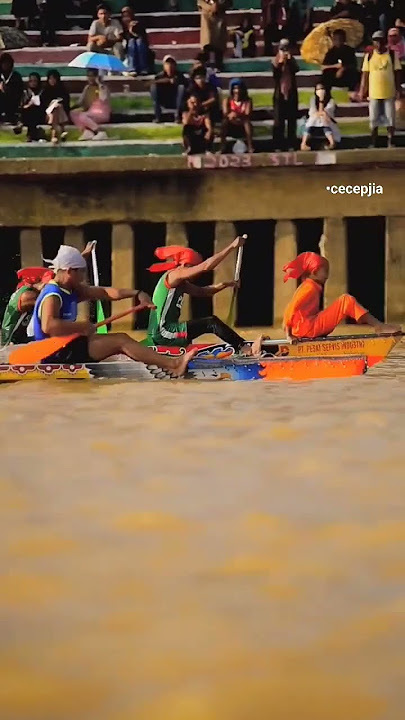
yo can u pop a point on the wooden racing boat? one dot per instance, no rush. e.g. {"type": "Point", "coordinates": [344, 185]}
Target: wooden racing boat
{"type": "Point", "coordinates": [270, 369]}
{"type": "Point", "coordinates": [374, 347]}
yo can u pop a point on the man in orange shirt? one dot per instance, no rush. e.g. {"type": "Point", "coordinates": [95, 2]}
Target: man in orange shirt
{"type": "Point", "coordinates": [303, 317]}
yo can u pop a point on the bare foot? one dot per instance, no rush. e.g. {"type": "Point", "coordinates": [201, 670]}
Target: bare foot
{"type": "Point", "coordinates": [245, 350]}
{"type": "Point", "coordinates": [304, 146]}
{"type": "Point", "coordinates": [385, 328]}
{"type": "Point", "coordinates": [257, 346]}
{"type": "Point", "coordinates": [180, 365]}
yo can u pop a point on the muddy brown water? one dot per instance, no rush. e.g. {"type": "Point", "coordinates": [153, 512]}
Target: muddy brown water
{"type": "Point", "coordinates": [184, 551]}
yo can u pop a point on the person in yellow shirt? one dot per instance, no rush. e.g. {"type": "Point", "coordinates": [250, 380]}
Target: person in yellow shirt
{"type": "Point", "coordinates": [380, 82]}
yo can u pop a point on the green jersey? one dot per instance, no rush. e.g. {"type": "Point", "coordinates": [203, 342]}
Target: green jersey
{"type": "Point", "coordinates": [13, 318]}
{"type": "Point", "coordinates": [164, 326]}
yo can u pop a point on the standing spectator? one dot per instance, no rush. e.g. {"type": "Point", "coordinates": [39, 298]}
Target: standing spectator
{"type": "Point", "coordinates": [11, 90]}
{"type": "Point", "coordinates": [300, 20]}
{"type": "Point", "coordinates": [321, 121]}
{"type": "Point", "coordinates": [136, 41]}
{"type": "Point", "coordinates": [105, 34]}
{"type": "Point", "coordinates": [51, 18]}
{"type": "Point", "coordinates": [168, 89]}
{"type": "Point", "coordinates": [396, 42]}
{"type": "Point", "coordinates": [32, 114]}
{"type": "Point", "coordinates": [346, 9]}
{"type": "Point", "coordinates": [24, 12]}
{"type": "Point", "coordinates": [213, 27]}
{"type": "Point", "coordinates": [206, 94]}
{"type": "Point", "coordinates": [55, 101]}
{"type": "Point", "coordinates": [381, 83]}
{"type": "Point", "coordinates": [93, 108]}
{"type": "Point", "coordinates": [237, 112]}
{"type": "Point", "coordinates": [244, 38]}
{"type": "Point", "coordinates": [285, 98]}
{"type": "Point", "coordinates": [197, 128]}
{"type": "Point", "coordinates": [376, 15]}
{"type": "Point", "coordinates": [275, 18]}
{"type": "Point", "coordinates": [339, 68]}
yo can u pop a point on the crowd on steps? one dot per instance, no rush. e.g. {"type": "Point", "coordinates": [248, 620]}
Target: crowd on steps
{"type": "Point", "coordinates": [198, 98]}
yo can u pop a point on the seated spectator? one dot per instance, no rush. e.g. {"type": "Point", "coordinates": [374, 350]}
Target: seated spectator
{"type": "Point", "coordinates": [11, 90]}
{"type": "Point", "coordinates": [275, 19]}
{"type": "Point", "coordinates": [285, 99]}
{"type": "Point", "coordinates": [92, 109]}
{"type": "Point", "coordinates": [237, 113]}
{"type": "Point", "coordinates": [339, 68]}
{"type": "Point", "coordinates": [32, 113]}
{"type": "Point", "coordinates": [346, 9]}
{"type": "Point", "coordinates": [105, 34]}
{"type": "Point", "coordinates": [168, 89]}
{"type": "Point", "coordinates": [197, 128]}
{"type": "Point", "coordinates": [396, 42]}
{"type": "Point", "coordinates": [244, 38]}
{"type": "Point", "coordinates": [376, 15]}
{"type": "Point", "coordinates": [206, 93]}
{"type": "Point", "coordinates": [201, 62]}
{"type": "Point", "coordinates": [55, 101]}
{"type": "Point", "coordinates": [24, 12]}
{"type": "Point", "coordinates": [321, 121]}
{"type": "Point", "coordinates": [136, 43]}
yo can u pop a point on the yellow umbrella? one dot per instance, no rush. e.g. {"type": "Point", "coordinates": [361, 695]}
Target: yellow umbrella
{"type": "Point", "coordinates": [319, 41]}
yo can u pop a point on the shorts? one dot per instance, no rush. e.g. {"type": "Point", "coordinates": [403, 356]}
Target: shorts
{"type": "Point", "coordinates": [75, 353]}
{"type": "Point", "coordinates": [382, 113]}
{"type": "Point", "coordinates": [177, 336]}
{"type": "Point", "coordinates": [235, 131]}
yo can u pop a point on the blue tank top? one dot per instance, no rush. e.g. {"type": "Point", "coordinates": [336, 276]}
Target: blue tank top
{"type": "Point", "coordinates": [68, 306]}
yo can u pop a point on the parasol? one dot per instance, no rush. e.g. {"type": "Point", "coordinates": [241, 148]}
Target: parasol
{"type": "Point", "coordinates": [13, 39]}
{"type": "Point", "coordinates": [98, 61]}
{"type": "Point", "coordinates": [319, 41]}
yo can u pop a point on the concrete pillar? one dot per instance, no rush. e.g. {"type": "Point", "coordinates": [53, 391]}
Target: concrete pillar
{"type": "Point", "coordinates": [224, 234]}
{"type": "Point", "coordinates": [176, 235]}
{"type": "Point", "coordinates": [74, 237]}
{"type": "Point", "coordinates": [123, 269]}
{"type": "Point", "coordinates": [285, 250]}
{"type": "Point", "coordinates": [333, 246]}
{"type": "Point", "coordinates": [31, 247]}
{"type": "Point", "coordinates": [395, 269]}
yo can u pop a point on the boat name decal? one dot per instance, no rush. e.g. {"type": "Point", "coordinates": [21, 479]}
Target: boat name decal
{"type": "Point", "coordinates": [322, 347]}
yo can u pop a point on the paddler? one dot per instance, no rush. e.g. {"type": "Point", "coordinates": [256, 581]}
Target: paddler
{"type": "Point", "coordinates": [303, 317]}
{"type": "Point", "coordinates": [180, 267]}
{"type": "Point", "coordinates": [55, 316]}
{"type": "Point", "coordinates": [18, 313]}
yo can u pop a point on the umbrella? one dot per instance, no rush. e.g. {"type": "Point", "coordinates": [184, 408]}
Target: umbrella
{"type": "Point", "coordinates": [319, 41]}
{"type": "Point", "coordinates": [13, 39]}
{"type": "Point", "coordinates": [98, 61]}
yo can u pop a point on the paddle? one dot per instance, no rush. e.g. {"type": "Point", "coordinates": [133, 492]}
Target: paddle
{"type": "Point", "coordinates": [99, 305]}
{"type": "Point", "coordinates": [35, 352]}
{"type": "Point", "coordinates": [231, 319]}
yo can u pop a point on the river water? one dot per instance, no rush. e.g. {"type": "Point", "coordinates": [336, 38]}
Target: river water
{"type": "Point", "coordinates": [183, 551]}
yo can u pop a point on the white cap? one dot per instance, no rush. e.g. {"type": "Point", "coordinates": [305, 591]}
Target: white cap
{"type": "Point", "coordinates": [68, 258]}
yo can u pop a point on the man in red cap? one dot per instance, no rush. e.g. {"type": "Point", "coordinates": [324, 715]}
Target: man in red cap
{"type": "Point", "coordinates": [180, 267]}
{"type": "Point", "coordinates": [303, 317]}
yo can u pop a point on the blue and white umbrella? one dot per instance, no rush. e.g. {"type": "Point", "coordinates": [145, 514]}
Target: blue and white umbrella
{"type": "Point", "coordinates": [98, 61]}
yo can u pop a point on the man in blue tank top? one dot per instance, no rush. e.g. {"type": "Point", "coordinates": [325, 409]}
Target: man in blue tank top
{"type": "Point", "coordinates": [55, 315]}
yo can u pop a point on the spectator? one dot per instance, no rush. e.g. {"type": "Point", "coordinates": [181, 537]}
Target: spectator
{"type": "Point", "coordinates": [55, 101]}
{"type": "Point", "coordinates": [244, 38]}
{"type": "Point", "coordinates": [381, 83]}
{"type": "Point", "coordinates": [11, 90]}
{"type": "Point", "coordinates": [396, 42]}
{"type": "Point", "coordinates": [168, 89]}
{"type": "Point", "coordinates": [375, 16]}
{"type": "Point", "coordinates": [93, 108]}
{"type": "Point", "coordinates": [201, 62]}
{"type": "Point", "coordinates": [285, 98]}
{"type": "Point", "coordinates": [197, 128]}
{"type": "Point", "coordinates": [105, 34]}
{"type": "Point", "coordinates": [24, 12]}
{"type": "Point", "coordinates": [321, 121]}
{"type": "Point", "coordinates": [32, 113]}
{"type": "Point", "coordinates": [136, 41]}
{"type": "Point", "coordinates": [206, 94]}
{"type": "Point", "coordinates": [275, 18]}
{"type": "Point", "coordinates": [51, 18]}
{"type": "Point", "coordinates": [213, 27]}
{"type": "Point", "coordinates": [237, 112]}
{"type": "Point", "coordinates": [346, 9]}
{"type": "Point", "coordinates": [339, 67]}
{"type": "Point", "coordinates": [300, 20]}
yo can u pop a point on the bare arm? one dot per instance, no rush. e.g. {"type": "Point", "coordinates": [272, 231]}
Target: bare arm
{"type": "Point", "coordinates": [364, 84]}
{"type": "Point", "coordinates": [207, 290]}
{"type": "Point", "coordinates": [52, 324]}
{"type": "Point", "coordinates": [175, 277]}
{"type": "Point", "coordinates": [27, 301]}
{"type": "Point", "coordinates": [89, 292]}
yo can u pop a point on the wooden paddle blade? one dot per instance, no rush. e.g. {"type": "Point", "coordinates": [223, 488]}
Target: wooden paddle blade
{"type": "Point", "coordinates": [36, 352]}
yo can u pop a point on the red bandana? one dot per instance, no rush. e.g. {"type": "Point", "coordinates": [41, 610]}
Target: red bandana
{"type": "Point", "coordinates": [306, 262]}
{"type": "Point", "coordinates": [174, 255]}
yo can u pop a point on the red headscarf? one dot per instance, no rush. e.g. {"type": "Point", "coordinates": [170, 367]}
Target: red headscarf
{"type": "Point", "coordinates": [174, 255]}
{"type": "Point", "coordinates": [306, 262]}
{"type": "Point", "coordinates": [34, 275]}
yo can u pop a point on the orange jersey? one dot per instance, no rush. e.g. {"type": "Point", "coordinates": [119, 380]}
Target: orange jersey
{"type": "Point", "coordinates": [304, 305]}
